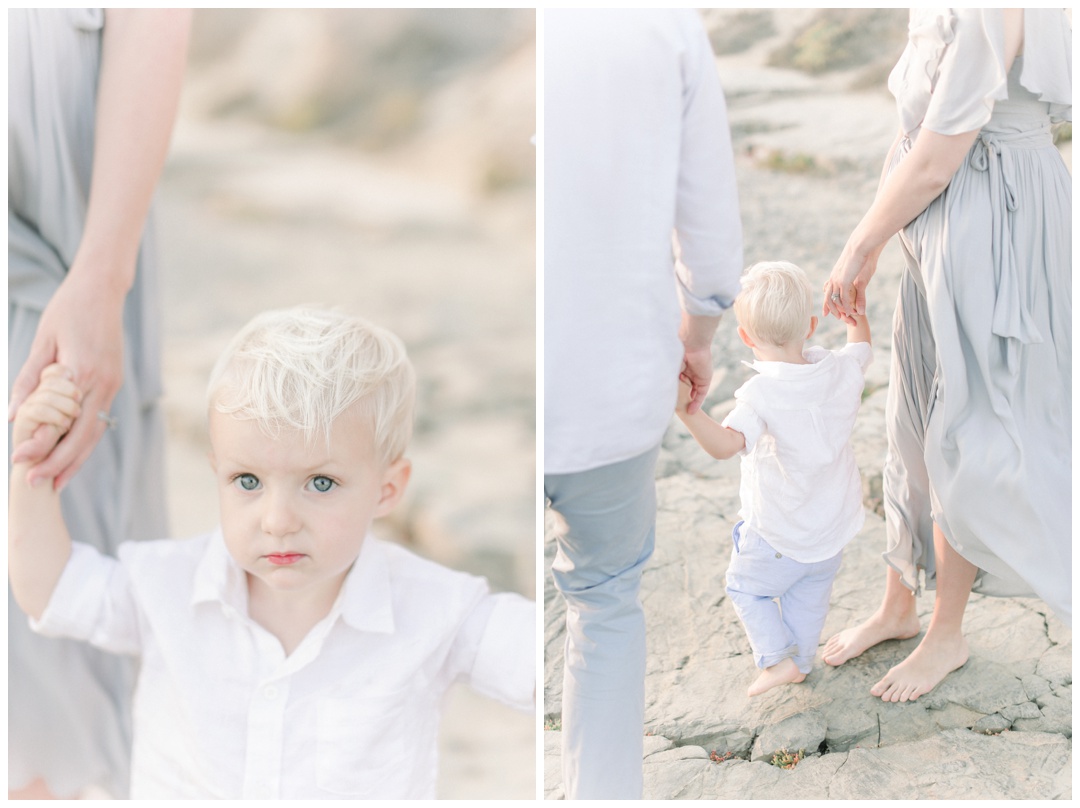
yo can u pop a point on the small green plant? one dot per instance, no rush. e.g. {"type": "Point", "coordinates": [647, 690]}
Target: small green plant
{"type": "Point", "coordinates": [797, 163]}
{"type": "Point", "coordinates": [716, 757]}
{"type": "Point", "coordinates": [553, 724]}
{"type": "Point", "coordinates": [784, 759]}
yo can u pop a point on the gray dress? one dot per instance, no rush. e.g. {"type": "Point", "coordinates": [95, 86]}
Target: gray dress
{"type": "Point", "coordinates": [979, 408]}
{"type": "Point", "coordinates": [68, 704]}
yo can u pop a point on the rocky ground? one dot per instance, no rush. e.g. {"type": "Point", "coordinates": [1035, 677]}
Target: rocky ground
{"type": "Point", "coordinates": [309, 167]}
{"type": "Point", "coordinates": [809, 150]}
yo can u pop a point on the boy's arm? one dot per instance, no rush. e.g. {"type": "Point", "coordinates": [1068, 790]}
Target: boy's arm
{"type": "Point", "coordinates": [38, 541]}
{"type": "Point", "coordinates": [719, 441]}
{"type": "Point", "coordinates": [859, 331]}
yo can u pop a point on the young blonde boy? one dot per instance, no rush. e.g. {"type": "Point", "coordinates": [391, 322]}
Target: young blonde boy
{"type": "Point", "coordinates": [289, 654]}
{"type": "Point", "coordinates": [800, 492]}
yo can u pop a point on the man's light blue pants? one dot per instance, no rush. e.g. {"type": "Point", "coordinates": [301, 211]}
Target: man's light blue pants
{"type": "Point", "coordinates": [758, 574]}
{"type": "Point", "coordinates": [607, 521]}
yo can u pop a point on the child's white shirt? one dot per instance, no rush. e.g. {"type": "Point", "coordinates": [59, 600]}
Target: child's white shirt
{"type": "Point", "coordinates": [800, 487]}
{"type": "Point", "coordinates": [221, 712]}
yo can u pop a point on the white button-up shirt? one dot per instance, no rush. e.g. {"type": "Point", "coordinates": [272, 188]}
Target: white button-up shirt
{"type": "Point", "coordinates": [221, 712]}
{"type": "Point", "coordinates": [636, 146]}
{"type": "Point", "coordinates": [800, 487]}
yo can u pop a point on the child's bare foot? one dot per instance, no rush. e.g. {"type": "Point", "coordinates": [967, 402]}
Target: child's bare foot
{"type": "Point", "coordinates": [879, 627]}
{"type": "Point", "coordinates": [924, 669]}
{"type": "Point", "coordinates": [784, 672]}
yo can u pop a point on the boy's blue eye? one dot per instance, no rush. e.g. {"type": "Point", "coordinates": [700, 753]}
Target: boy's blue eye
{"type": "Point", "coordinates": [248, 482]}
{"type": "Point", "coordinates": [322, 484]}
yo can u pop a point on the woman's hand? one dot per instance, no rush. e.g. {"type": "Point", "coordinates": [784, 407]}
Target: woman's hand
{"type": "Point", "coordinates": [845, 290]}
{"type": "Point", "coordinates": [81, 329]}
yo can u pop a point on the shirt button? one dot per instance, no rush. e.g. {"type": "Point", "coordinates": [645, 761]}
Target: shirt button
{"type": "Point", "coordinates": [270, 692]}
{"type": "Point", "coordinates": [779, 556]}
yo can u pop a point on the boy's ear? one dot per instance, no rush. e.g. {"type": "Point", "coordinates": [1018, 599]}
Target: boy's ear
{"type": "Point", "coordinates": [813, 326]}
{"type": "Point", "coordinates": [744, 335]}
{"type": "Point", "coordinates": [395, 478]}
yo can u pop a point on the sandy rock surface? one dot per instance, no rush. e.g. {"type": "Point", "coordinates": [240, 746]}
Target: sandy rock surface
{"type": "Point", "coordinates": [1000, 726]}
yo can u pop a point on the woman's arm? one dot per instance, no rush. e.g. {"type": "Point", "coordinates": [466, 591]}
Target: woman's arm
{"type": "Point", "coordinates": [142, 63]}
{"type": "Point", "coordinates": [913, 185]}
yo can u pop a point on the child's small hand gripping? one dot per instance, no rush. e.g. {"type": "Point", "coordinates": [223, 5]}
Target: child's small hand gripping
{"type": "Point", "coordinates": [685, 395]}
{"type": "Point", "coordinates": [45, 416]}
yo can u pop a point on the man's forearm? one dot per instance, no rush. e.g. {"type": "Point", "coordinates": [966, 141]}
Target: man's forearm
{"type": "Point", "coordinates": [696, 332]}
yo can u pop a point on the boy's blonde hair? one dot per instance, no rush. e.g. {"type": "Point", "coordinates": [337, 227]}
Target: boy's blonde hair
{"type": "Point", "coordinates": [301, 368]}
{"type": "Point", "coordinates": [776, 302]}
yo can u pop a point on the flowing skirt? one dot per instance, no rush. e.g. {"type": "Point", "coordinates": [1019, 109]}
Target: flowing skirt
{"type": "Point", "coordinates": [979, 407]}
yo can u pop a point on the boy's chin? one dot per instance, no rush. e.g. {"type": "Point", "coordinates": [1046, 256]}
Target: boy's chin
{"type": "Point", "coordinates": [292, 579]}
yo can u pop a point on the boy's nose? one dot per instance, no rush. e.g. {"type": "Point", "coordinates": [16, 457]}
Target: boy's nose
{"type": "Point", "coordinates": [279, 517]}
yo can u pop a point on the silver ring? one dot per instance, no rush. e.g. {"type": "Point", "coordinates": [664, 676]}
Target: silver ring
{"type": "Point", "coordinates": [835, 297]}
{"type": "Point", "coordinates": [110, 422]}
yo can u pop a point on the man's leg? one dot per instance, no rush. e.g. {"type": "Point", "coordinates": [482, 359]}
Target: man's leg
{"type": "Point", "coordinates": [605, 536]}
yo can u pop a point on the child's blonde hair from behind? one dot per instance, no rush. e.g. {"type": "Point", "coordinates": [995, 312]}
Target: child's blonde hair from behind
{"type": "Point", "coordinates": [776, 303]}
{"type": "Point", "coordinates": [301, 368]}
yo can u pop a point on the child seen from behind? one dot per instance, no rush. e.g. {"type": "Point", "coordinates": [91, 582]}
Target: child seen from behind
{"type": "Point", "coordinates": [801, 498]}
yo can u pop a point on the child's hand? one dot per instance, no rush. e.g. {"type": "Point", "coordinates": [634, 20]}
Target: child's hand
{"type": "Point", "coordinates": [46, 415]}
{"type": "Point", "coordinates": [685, 395]}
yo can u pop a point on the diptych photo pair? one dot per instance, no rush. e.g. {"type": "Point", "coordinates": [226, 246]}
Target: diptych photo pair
{"type": "Point", "coordinates": [539, 403]}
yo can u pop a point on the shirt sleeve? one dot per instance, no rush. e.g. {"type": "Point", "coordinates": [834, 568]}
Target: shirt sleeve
{"type": "Point", "coordinates": [743, 419]}
{"type": "Point", "coordinates": [93, 602]}
{"type": "Point", "coordinates": [500, 638]}
{"type": "Point", "coordinates": [971, 74]}
{"type": "Point", "coordinates": [707, 224]}
{"type": "Point", "coordinates": [861, 352]}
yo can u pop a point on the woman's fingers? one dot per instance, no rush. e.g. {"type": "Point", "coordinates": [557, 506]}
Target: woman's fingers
{"type": "Point", "coordinates": [39, 360]}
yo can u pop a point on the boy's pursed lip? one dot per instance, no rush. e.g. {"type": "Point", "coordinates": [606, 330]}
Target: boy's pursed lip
{"type": "Point", "coordinates": [283, 559]}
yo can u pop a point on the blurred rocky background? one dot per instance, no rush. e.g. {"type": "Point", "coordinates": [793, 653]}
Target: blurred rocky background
{"type": "Point", "coordinates": [378, 161]}
{"type": "Point", "coordinates": [812, 120]}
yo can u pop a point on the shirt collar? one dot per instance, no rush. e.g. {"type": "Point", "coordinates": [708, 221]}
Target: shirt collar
{"type": "Point", "coordinates": [781, 370]}
{"type": "Point", "coordinates": [365, 601]}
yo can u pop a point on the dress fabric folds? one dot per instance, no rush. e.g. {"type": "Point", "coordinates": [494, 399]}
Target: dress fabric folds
{"type": "Point", "coordinates": [69, 704]}
{"type": "Point", "coordinates": [979, 407]}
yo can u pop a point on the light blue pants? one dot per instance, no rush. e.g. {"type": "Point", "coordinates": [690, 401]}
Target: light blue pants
{"type": "Point", "coordinates": [605, 536]}
{"type": "Point", "coordinates": [756, 577]}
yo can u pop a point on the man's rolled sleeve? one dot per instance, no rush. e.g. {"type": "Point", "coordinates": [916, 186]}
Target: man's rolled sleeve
{"type": "Point", "coordinates": [92, 602]}
{"type": "Point", "coordinates": [505, 665]}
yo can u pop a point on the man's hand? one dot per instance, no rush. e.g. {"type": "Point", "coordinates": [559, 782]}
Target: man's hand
{"type": "Point", "coordinates": [697, 374]}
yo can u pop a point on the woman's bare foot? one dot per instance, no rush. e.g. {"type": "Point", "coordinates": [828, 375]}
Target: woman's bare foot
{"type": "Point", "coordinates": [879, 627]}
{"type": "Point", "coordinates": [784, 672]}
{"type": "Point", "coordinates": [924, 669]}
